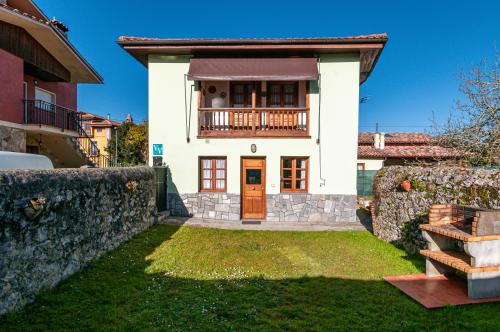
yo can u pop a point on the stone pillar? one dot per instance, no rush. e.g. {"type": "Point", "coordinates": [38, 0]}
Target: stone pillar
{"type": "Point", "coordinates": [483, 284]}
{"type": "Point", "coordinates": [12, 139]}
{"type": "Point", "coordinates": [437, 242]}
{"type": "Point", "coordinates": [436, 269]}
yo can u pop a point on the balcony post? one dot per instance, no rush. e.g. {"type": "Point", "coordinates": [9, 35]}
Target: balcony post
{"type": "Point", "coordinates": [254, 105]}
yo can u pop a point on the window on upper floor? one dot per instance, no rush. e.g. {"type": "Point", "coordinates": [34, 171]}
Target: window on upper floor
{"type": "Point", "coordinates": [294, 174]}
{"type": "Point", "coordinates": [283, 94]}
{"type": "Point", "coordinates": [241, 94]}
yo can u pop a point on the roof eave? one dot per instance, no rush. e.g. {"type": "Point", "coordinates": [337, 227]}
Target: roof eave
{"type": "Point", "coordinates": [35, 28]}
{"type": "Point", "coordinates": [140, 49]}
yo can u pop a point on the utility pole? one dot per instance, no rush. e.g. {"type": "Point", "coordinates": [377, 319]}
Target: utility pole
{"type": "Point", "coordinates": [116, 146]}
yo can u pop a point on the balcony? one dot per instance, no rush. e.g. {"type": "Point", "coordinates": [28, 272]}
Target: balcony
{"type": "Point", "coordinates": [253, 122]}
{"type": "Point", "coordinates": [42, 113]}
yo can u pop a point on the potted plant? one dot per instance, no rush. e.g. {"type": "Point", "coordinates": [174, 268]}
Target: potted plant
{"type": "Point", "coordinates": [406, 185]}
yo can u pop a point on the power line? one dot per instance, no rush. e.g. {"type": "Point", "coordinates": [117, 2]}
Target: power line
{"type": "Point", "coordinates": [396, 126]}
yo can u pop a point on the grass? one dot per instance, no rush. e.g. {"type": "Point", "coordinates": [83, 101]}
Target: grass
{"type": "Point", "coordinates": [170, 278]}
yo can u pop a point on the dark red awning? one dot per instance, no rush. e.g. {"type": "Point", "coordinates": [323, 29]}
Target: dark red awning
{"type": "Point", "coordinates": [253, 69]}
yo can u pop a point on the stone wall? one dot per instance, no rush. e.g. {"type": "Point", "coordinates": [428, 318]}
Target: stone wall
{"type": "Point", "coordinates": [280, 207]}
{"type": "Point", "coordinates": [311, 208]}
{"type": "Point", "coordinates": [220, 206]}
{"type": "Point", "coordinates": [86, 213]}
{"type": "Point", "coordinates": [397, 214]}
{"type": "Point", "coordinates": [12, 139]}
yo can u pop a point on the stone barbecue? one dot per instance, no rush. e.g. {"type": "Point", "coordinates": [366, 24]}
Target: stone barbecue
{"type": "Point", "coordinates": [465, 241]}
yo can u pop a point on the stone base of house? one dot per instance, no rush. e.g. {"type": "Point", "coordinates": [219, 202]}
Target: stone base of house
{"type": "Point", "coordinates": [12, 139]}
{"type": "Point", "coordinates": [280, 207]}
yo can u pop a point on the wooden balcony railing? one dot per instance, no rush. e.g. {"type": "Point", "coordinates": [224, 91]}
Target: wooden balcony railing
{"type": "Point", "coordinates": [251, 122]}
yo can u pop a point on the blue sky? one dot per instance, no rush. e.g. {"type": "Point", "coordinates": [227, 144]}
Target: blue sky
{"type": "Point", "coordinates": [417, 74]}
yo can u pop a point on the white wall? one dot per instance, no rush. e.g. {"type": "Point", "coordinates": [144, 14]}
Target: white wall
{"type": "Point", "coordinates": [339, 122]}
{"type": "Point", "coordinates": [372, 164]}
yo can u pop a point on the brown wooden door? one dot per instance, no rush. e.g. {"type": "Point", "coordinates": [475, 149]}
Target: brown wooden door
{"type": "Point", "coordinates": [253, 188]}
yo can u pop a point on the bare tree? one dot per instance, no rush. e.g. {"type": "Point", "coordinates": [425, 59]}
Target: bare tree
{"type": "Point", "coordinates": [474, 128]}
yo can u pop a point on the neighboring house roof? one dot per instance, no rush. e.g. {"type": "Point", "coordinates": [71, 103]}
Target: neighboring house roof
{"type": "Point", "coordinates": [396, 138]}
{"type": "Point", "coordinates": [97, 120]}
{"type": "Point", "coordinates": [28, 16]}
{"type": "Point", "coordinates": [368, 46]}
{"type": "Point", "coordinates": [402, 145]}
{"type": "Point", "coordinates": [405, 151]}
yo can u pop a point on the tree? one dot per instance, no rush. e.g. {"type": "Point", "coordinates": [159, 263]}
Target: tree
{"type": "Point", "coordinates": [132, 144]}
{"type": "Point", "coordinates": [474, 129]}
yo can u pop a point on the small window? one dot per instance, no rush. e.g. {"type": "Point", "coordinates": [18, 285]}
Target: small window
{"type": "Point", "coordinates": [254, 176]}
{"type": "Point", "coordinates": [213, 174]}
{"type": "Point", "coordinates": [294, 174]}
{"type": "Point", "coordinates": [99, 130]}
{"type": "Point", "coordinates": [94, 150]}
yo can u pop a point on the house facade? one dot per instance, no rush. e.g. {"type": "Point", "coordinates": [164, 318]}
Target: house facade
{"type": "Point", "coordinates": [100, 130]}
{"type": "Point", "coordinates": [257, 128]}
{"type": "Point", "coordinates": [39, 73]}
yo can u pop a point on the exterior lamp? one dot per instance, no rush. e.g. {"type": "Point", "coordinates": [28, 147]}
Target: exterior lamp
{"type": "Point", "coordinates": [253, 148]}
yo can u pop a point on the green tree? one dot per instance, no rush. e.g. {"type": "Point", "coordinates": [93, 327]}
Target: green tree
{"type": "Point", "coordinates": [132, 142]}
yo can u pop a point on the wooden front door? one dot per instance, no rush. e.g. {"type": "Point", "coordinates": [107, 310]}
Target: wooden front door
{"type": "Point", "coordinates": [253, 188]}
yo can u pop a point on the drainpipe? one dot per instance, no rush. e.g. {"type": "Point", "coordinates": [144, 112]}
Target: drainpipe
{"type": "Point", "coordinates": [318, 140]}
{"type": "Point", "coordinates": [188, 114]}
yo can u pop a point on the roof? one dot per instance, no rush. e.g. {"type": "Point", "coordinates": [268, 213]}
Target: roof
{"type": "Point", "coordinates": [262, 41]}
{"type": "Point", "coordinates": [396, 138]}
{"type": "Point", "coordinates": [402, 145]}
{"type": "Point", "coordinates": [368, 46]}
{"type": "Point", "coordinates": [406, 151]}
{"type": "Point", "coordinates": [28, 16]}
{"type": "Point", "coordinates": [97, 120]}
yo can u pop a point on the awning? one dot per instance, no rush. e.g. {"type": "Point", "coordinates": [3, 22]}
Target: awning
{"type": "Point", "coordinates": [253, 69]}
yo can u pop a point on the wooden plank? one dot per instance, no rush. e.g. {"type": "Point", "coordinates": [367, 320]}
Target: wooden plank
{"type": "Point", "coordinates": [457, 260]}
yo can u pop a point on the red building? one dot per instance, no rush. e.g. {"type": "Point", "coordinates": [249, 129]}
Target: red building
{"type": "Point", "coordinates": [39, 73]}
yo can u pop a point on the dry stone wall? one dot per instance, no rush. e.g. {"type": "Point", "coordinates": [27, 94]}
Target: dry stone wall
{"type": "Point", "coordinates": [293, 207]}
{"type": "Point", "coordinates": [397, 214]}
{"type": "Point", "coordinates": [83, 213]}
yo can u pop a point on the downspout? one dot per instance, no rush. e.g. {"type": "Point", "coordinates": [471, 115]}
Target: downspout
{"type": "Point", "coordinates": [318, 139]}
{"type": "Point", "coordinates": [186, 113]}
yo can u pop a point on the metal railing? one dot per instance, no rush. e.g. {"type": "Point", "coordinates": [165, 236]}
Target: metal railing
{"type": "Point", "coordinates": [43, 113]}
{"type": "Point", "coordinates": [92, 153]}
{"type": "Point", "coordinates": [242, 122]}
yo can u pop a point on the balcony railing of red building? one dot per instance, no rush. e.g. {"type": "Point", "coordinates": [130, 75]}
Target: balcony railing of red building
{"type": "Point", "coordinates": [43, 113]}
{"type": "Point", "coordinates": [251, 122]}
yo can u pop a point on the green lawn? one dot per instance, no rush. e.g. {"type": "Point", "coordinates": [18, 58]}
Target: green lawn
{"type": "Point", "coordinates": [171, 278]}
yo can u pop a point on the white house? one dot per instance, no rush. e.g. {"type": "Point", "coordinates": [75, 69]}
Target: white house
{"type": "Point", "coordinates": [257, 128]}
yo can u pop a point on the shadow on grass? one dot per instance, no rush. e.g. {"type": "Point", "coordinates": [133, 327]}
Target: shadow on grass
{"type": "Point", "coordinates": [117, 292]}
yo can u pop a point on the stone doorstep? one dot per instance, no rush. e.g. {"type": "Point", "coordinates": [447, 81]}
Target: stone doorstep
{"type": "Point", "coordinates": [264, 225]}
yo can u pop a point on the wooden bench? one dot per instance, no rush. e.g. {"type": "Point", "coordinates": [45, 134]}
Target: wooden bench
{"type": "Point", "coordinates": [464, 240]}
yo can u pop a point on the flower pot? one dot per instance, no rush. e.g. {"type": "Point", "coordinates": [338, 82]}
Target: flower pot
{"type": "Point", "coordinates": [406, 185]}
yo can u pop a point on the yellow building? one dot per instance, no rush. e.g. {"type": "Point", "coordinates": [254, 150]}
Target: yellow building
{"type": "Point", "coordinates": [100, 130]}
